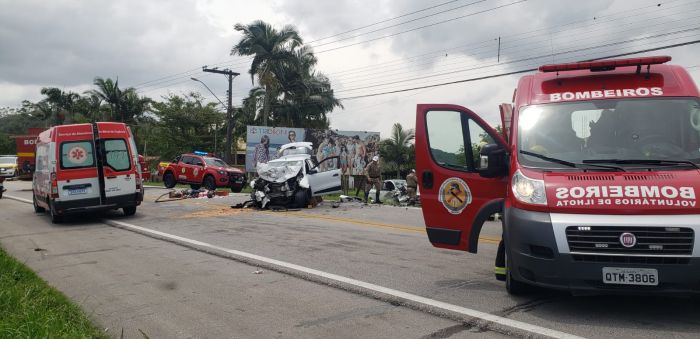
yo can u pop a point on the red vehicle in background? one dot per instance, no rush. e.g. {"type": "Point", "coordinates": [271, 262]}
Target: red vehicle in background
{"type": "Point", "coordinates": [596, 173]}
{"type": "Point", "coordinates": [26, 152]}
{"type": "Point", "coordinates": [145, 173]}
{"type": "Point", "coordinates": [202, 170]}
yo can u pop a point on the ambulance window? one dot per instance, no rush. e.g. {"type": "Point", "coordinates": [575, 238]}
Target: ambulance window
{"type": "Point", "coordinates": [117, 154]}
{"type": "Point", "coordinates": [77, 154]}
{"type": "Point", "coordinates": [478, 137]}
{"type": "Point", "coordinates": [446, 139]}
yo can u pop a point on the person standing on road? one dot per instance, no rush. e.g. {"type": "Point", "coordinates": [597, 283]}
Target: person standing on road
{"type": "Point", "coordinates": [373, 173]}
{"type": "Point", "coordinates": [411, 187]}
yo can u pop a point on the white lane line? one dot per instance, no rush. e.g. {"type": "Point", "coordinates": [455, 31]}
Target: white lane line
{"type": "Point", "coordinates": [513, 324]}
{"type": "Point", "coordinates": [18, 199]}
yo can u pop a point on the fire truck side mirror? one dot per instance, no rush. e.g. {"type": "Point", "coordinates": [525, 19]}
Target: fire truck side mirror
{"type": "Point", "coordinates": [493, 163]}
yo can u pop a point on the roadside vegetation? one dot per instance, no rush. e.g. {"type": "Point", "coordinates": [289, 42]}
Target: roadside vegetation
{"type": "Point", "coordinates": [30, 308]}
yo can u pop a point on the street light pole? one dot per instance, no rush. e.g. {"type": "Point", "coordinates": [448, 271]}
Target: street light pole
{"type": "Point", "coordinates": [216, 128]}
{"type": "Point", "coordinates": [230, 75]}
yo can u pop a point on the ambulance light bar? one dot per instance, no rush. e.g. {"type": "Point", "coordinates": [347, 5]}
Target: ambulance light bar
{"type": "Point", "coordinates": [605, 65]}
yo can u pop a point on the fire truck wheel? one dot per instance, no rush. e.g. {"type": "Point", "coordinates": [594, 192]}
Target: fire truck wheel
{"type": "Point", "coordinates": [169, 180]}
{"type": "Point", "coordinates": [195, 187]}
{"type": "Point", "coordinates": [210, 183]}
{"type": "Point", "coordinates": [37, 208]}
{"type": "Point", "coordinates": [55, 217]}
{"type": "Point", "coordinates": [130, 210]}
{"type": "Point", "coordinates": [513, 286]}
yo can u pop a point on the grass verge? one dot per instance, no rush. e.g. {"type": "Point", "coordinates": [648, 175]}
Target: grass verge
{"type": "Point", "coordinates": [30, 308]}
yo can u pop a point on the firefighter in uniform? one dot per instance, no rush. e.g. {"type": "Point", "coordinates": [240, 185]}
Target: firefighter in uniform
{"type": "Point", "coordinates": [411, 186]}
{"type": "Point", "coordinates": [373, 174]}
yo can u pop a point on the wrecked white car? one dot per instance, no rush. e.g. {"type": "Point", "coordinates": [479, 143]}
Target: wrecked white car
{"type": "Point", "coordinates": [293, 178]}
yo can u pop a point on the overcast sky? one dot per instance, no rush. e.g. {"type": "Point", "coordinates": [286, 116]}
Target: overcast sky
{"type": "Point", "coordinates": [157, 45]}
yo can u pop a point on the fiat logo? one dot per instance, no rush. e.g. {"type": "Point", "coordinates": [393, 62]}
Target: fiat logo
{"type": "Point", "coordinates": [628, 239]}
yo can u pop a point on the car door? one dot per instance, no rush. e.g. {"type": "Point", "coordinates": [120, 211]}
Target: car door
{"type": "Point", "coordinates": [326, 182]}
{"type": "Point", "coordinates": [197, 169]}
{"type": "Point", "coordinates": [184, 169]}
{"type": "Point", "coordinates": [455, 198]}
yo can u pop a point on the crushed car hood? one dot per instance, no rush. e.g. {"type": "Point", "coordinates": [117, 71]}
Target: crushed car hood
{"type": "Point", "coordinates": [276, 173]}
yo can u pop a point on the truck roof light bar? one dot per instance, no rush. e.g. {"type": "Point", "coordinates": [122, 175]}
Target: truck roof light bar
{"type": "Point", "coordinates": [605, 65]}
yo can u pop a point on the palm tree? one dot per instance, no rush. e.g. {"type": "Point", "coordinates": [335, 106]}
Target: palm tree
{"type": "Point", "coordinates": [108, 91]}
{"type": "Point", "coordinates": [398, 148]}
{"type": "Point", "coordinates": [272, 50]}
{"type": "Point", "coordinates": [62, 104]}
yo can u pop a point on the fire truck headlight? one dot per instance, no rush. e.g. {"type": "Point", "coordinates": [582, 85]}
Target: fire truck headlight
{"type": "Point", "coordinates": [528, 190]}
{"type": "Point", "coordinates": [222, 172]}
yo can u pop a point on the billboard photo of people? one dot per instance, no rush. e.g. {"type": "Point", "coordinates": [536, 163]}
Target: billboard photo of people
{"type": "Point", "coordinates": [354, 149]}
{"type": "Point", "coordinates": [262, 143]}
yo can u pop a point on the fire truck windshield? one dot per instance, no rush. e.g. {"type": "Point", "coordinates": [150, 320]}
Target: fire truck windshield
{"type": "Point", "coordinates": [215, 162]}
{"type": "Point", "coordinates": [631, 132]}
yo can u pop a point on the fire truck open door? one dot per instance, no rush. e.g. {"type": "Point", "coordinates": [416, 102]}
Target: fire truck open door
{"type": "Point", "coordinates": [455, 197]}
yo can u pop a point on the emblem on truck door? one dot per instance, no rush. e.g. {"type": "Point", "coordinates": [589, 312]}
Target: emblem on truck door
{"type": "Point", "coordinates": [628, 239]}
{"type": "Point", "coordinates": [455, 195]}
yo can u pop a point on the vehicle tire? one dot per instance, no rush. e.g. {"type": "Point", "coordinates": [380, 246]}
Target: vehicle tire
{"type": "Point", "coordinates": [195, 187]}
{"type": "Point", "coordinates": [514, 287]}
{"type": "Point", "coordinates": [129, 210]}
{"type": "Point", "coordinates": [209, 183]}
{"type": "Point", "coordinates": [55, 217]}
{"type": "Point", "coordinates": [301, 198]}
{"type": "Point", "coordinates": [236, 189]}
{"type": "Point", "coordinates": [169, 180]}
{"type": "Point", "coordinates": [37, 208]}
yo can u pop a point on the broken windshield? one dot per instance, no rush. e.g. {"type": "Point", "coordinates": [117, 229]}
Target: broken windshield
{"type": "Point", "coordinates": [612, 130]}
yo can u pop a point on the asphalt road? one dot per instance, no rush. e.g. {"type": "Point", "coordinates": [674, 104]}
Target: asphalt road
{"type": "Point", "coordinates": [135, 282]}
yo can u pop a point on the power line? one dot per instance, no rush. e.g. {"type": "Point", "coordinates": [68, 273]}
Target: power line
{"type": "Point", "coordinates": [515, 72]}
{"type": "Point", "coordinates": [424, 26]}
{"type": "Point", "coordinates": [401, 23]}
{"type": "Point", "coordinates": [383, 21]}
{"type": "Point", "coordinates": [526, 59]}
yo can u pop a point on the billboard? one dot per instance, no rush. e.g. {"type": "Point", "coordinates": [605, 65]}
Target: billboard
{"type": "Point", "coordinates": [354, 148]}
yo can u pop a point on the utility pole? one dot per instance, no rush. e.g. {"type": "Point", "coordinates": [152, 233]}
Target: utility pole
{"type": "Point", "coordinates": [230, 75]}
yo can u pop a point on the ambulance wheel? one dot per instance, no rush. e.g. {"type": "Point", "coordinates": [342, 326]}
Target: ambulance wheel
{"type": "Point", "coordinates": [210, 183]}
{"type": "Point", "coordinates": [37, 208]}
{"type": "Point", "coordinates": [169, 180]}
{"type": "Point", "coordinates": [195, 187]}
{"type": "Point", "coordinates": [55, 217]}
{"type": "Point", "coordinates": [514, 287]}
{"type": "Point", "coordinates": [129, 211]}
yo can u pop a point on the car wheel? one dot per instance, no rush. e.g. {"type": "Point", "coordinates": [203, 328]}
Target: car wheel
{"type": "Point", "coordinates": [301, 198]}
{"type": "Point", "coordinates": [169, 180]}
{"type": "Point", "coordinates": [55, 217]}
{"type": "Point", "coordinates": [129, 211]}
{"type": "Point", "coordinates": [236, 189]}
{"type": "Point", "coordinates": [513, 286]}
{"type": "Point", "coordinates": [195, 187]}
{"type": "Point", "coordinates": [210, 183]}
{"type": "Point", "coordinates": [37, 208]}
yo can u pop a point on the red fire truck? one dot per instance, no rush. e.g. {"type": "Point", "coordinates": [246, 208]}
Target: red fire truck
{"type": "Point", "coordinates": [595, 171]}
{"type": "Point", "coordinates": [26, 151]}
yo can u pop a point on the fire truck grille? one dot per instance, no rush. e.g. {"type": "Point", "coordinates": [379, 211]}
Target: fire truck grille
{"type": "Point", "coordinates": [646, 241]}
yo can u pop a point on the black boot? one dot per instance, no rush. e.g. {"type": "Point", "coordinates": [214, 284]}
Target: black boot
{"type": "Point", "coordinates": [366, 198]}
{"type": "Point", "coordinates": [376, 198]}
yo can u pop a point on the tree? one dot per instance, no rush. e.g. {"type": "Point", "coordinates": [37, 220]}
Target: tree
{"type": "Point", "coordinates": [183, 124]}
{"type": "Point", "coordinates": [398, 149]}
{"type": "Point", "coordinates": [109, 92]}
{"type": "Point", "coordinates": [271, 50]}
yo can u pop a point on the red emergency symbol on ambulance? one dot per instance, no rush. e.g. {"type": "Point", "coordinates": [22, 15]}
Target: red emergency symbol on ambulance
{"type": "Point", "coordinates": [77, 155]}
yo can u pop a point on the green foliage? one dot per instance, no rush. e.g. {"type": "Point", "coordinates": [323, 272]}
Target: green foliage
{"type": "Point", "coordinates": [398, 150]}
{"type": "Point", "coordinates": [184, 124]}
{"type": "Point", "coordinates": [30, 308]}
{"type": "Point", "coordinates": [292, 93]}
